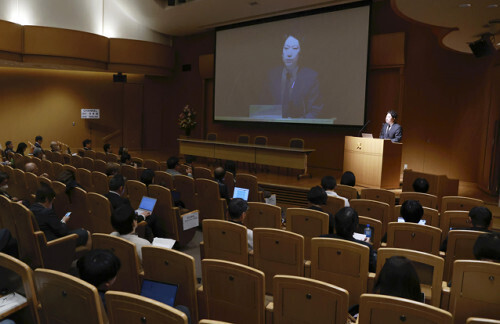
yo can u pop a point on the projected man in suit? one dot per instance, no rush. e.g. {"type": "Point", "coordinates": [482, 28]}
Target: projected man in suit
{"type": "Point", "coordinates": [390, 129]}
{"type": "Point", "coordinates": [295, 88]}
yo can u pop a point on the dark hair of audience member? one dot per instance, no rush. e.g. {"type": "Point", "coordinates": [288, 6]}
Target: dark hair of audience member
{"type": "Point", "coordinates": [393, 113]}
{"type": "Point", "coordinates": [122, 219]}
{"type": "Point", "coordinates": [328, 183]}
{"type": "Point", "coordinates": [398, 278]}
{"type": "Point", "coordinates": [116, 182]}
{"type": "Point", "coordinates": [98, 266]}
{"type": "Point", "coordinates": [317, 196]}
{"type": "Point", "coordinates": [112, 168]}
{"type": "Point", "coordinates": [44, 193]}
{"type": "Point", "coordinates": [106, 147]}
{"type": "Point", "coordinates": [348, 179]}
{"type": "Point", "coordinates": [487, 247]}
{"type": "Point", "coordinates": [38, 138]}
{"type": "Point", "coordinates": [172, 162]}
{"type": "Point", "coordinates": [346, 222]}
{"type": "Point", "coordinates": [122, 150]}
{"type": "Point", "coordinates": [230, 166]}
{"type": "Point", "coordinates": [147, 176]}
{"type": "Point", "coordinates": [3, 176]}
{"type": "Point", "coordinates": [236, 208]}
{"type": "Point", "coordinates": [219, 173]}
{"type": "Point", "coordinates": [21, 147]}
{"type": "Point", "coordinates": [86, 141]}
{"type": "Point", "coordinates": [420, 185]}
{"type": "Point", "coordinates": [125, 158]}
{"type": "Point", "coordinates": [480, 216]}
{"type": "Point", "coordinates": [7, 144]}
{"type": "Point", "coordinates": [411, 211]}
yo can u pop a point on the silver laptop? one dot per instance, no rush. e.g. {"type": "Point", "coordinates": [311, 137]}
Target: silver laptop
{"type": "Point", "coordinates": [367, 135]}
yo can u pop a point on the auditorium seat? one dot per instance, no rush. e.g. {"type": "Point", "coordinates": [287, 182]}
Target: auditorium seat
{"type": "Point", "coordinates": [263, 215]}
{"type": "Point", "coordinates": [135, 191]}
{"type": "Point", "coordinates": [151, 164]}
{"type": "Point", "coordinates": [7, 219]}
{"type": "Point", "coordinates": [429, 269]}
{"type": "Point", "coordinates": [413, 236]}
{"type": "Point", "coordinates": [373, 209]}
{"type": "Point", "coordinates": [229, 182]}
{"type": "Point", "coordinates": [381, 195]}
{"type": "Point", "coordinates": [202, 173]}
{"type": "Point", "coordinates": [111, 157]}
{"type": "Point", "coordinates": [100, 182]}
{"type": "Point", "coordinates": [459, 203]}
{"type": "Point", "coordinates": [475, 290]}
{"type": "Point", "coordinates": [84, 178]}
{"type": "Point", "coordinates": [80, 217]}
{"type": "Point", "coordinates": [454, 219]}
{"type": "Point", "coordinates": [100, 166]}
{"type": "Point", "coordinates": [66, 299]}
{"type": "Point", "coordinates": [164, 179]}
{"type": "Point", "coordinates": [128, 172]}
{"type": "Point", "coordinates": [32, 185]}
{"type": "Point", "coordinates": [88, 163]}
{"type": "Point", "coordinates": [333, 205]}
{"type": "Point", "coordinates": [426, 200]}
{"type": "Point", "coordinates": [305, 300]}
{"type": "Point", "coordinates": [20, 189]}
{"type": "Point", "coordinates": [129, 276]}
{"type": "Point", "coordinates": [61, 203]}
{"type": "Point", "coordinates": [376, 227]}
{"type": "Point", "coordinates": [76, 161]}
{"type": "Point", "coordinates": [99, 213]}
{"type": "Point", "coordinates": [478, 320]}
{"type": "Point", "coordinates": [184, 185]}
{"type": "Point", "coordinates": [124, 307]}
{"type": "Point", "coordinates": [308, 223]}
{"type": "Point", "coordinates": [277, 252]}
{"type": "Point", "coordinates": [232, 292]}
{"type": "Point", "coordinates": [100, 156]}
{"type": "Point", "coordinates": [460, 247]}
{"type": "Point", "coordinates": [250, 182]}
{"type": "Point", "coordinates": [18, 277]}
{"type": "Point", "coordinates": [89, 153]}
{"type": "Point", "coordinates": [342, 263]}
{"type": "Point", "coordinates": [169, 217]}
{"type": "Point", "coordinates": [173, 267]}
{"type": "Point", "coordinates": [45, 181]}
{"type": "Point", "coordinates": [346, 191]}
{"type": "Point", "coordinates": [69, 167]}
{"type": "Point", "coordinates": [48, 169]}
{"type": "Point", "coordinates": [209, 202]}
{"type": "Point", "coordinates": [58, 169]}
{"type": "Point", "coordinates": [224, 240]}
{"type": "Point", "coordinates": [138, 161]}
{"type": "Point", "coordinates": [395, 310]}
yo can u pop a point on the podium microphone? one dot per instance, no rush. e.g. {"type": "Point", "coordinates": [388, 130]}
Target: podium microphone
{"type": "Point", "coordinates": [363, 128]}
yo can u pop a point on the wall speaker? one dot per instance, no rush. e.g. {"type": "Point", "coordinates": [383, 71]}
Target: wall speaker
{"type": "Point", "coordinates": [483, 46]}
{"type": "Point", "coordinates": [120, 77]}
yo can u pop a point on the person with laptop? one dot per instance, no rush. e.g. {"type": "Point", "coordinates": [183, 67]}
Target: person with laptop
{"type": "Point", "coordinates": [237, 210]}
{"type": "Point", "coordinates": [124, 221]}
{"type": "Point", "coordinates": [219, 174]}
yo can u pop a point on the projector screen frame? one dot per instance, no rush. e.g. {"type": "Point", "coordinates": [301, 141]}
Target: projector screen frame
{"type": "Point", "coordinates": [291, 122]}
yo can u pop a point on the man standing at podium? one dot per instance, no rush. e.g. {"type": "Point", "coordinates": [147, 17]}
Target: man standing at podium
{"type": "Point", "coordinates": [390, 129]}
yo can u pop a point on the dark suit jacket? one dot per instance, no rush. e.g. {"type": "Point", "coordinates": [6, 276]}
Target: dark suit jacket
{"type": "Point", "coordinates": [304, 97]}
{"type": "Point", "coordinates": [223, 190]}
{"type": "Point", "coordinates": [395, 133]}
{"type": "Point", "coordinates": [444, 245]}
{"type": "Point", "coordinates": [48, 222]}
{"type": "Point", "coordinates": [116, 200]}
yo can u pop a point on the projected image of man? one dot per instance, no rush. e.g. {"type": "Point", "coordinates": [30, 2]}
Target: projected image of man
{"type": "Point", "coordinates": [296, 88]}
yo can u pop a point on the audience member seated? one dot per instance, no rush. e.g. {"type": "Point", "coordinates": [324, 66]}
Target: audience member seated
{"type": "Point", "coordinates": [124, 221]}
{"type": "Point", "coordinates": [87, 144]}
{"type": "Point", "coordinates": [116, 191]}
{"type": "Point", "coordinates": [346, 222]}
{"type": "Point", "coordinates": [122, 150]}
{"type": "Point", "coordinates": [37, 147]}
{"type": "Point", "coordinates": [174, 168]}
{"type": "Point", "coordinates": [348, 179]}
{"type": "Point", "coordinates": [107, 148]}
{"type": "Point", "coordinates": [68, 178]}
{"type": "Point", "coordinates": [112, 168]}
{"type": "Point", "coordinates": [329, 183]}
{"type": "Point", "coordinates": [49, 223]}
{"type": "Point", "coordinates": [21, 148]}
{"type": "Point", "coordinates": [487, 247]}
{"type": "Point", "coordinates": [317, 197]}
{"type": "Point", "coordinates": [99, 268]}
{"type": "Point", "coordinates": [480, 217]}
{"type": "Point", "coordinates": [147, 177]}
{"type": "Point", "coordinates": [125, 158]}
{"type": "Point", "coordinates": [411, 211]}
{"type": "Point", "coordinates": [219, 174]}
{"type": "Point", "coordinates": [398, 278]}
{"type": "Point", "coordinates": [33, 168]}
{"type": "Point", "coordinates": [54, 147]}
{"type": "Point", "coordinates": [9, 147]}
{"type": "Point", "coordinates": [237, 210]}
{"type": "Point", "coordinates": [8, 244]}
{"type": "Point", "coordinates": [39, 154]}
{"type": "Point", "coordinates": [420, 185]}
{"type": "Point", "coordinates": [4, 185]}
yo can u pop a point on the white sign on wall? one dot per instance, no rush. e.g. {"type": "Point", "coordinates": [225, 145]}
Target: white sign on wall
{"type": "Point", "coordinates": [91, 113]}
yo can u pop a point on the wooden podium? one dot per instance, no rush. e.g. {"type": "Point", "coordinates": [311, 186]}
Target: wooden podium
{"type": "Point", "coordinates": [375, 162]}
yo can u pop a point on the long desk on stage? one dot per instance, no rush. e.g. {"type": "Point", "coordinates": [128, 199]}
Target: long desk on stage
{"type": "Point", "coordinates": [281, 156]}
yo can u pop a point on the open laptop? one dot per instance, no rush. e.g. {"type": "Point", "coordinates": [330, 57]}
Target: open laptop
{"type": "Point", "coordinates": [367, 135]}
{"type": "Point", "coordinates": [147, 205]}
{"type": "Point", "coordinates": [241, 193]}
{"type": "Point", "coordinates": [159, 291]}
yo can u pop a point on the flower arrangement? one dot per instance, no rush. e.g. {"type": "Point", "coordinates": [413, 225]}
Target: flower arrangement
{"type": "Point", "coordinates": [186, 119]}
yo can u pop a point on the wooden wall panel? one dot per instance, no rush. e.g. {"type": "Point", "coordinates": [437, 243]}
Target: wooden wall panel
{"type": "Point", "coordinates": [66, 43]}
{"type": "Point", "coordinates": [127, 51]}
{"type": "Point", "coordinates": [11, 37]}
{"type": "Point", "coordinates": [132, 115]}
{"type": "Point", "coordinates": [387, 49]}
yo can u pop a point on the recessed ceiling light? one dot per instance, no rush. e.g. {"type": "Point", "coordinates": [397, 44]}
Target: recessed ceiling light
{"type": "Point", "coordinates": [494, 5]}
{"type": "Point", "coordinates": [465, 5]}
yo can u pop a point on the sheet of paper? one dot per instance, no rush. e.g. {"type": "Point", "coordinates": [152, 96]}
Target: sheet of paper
{"type": "Point", "coordinates": [11, 301]}
{"type": "Point", "coordinates": [163, 242]}
{"type": "Point", "coordinates": [359, 236]}
{"type": "Point", "coordinates": [271, 200]}
{"type": "Point", "coordinates": [190, 220]}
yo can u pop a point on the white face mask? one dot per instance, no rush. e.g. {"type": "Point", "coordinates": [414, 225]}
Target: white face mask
{"type": "Point", "coordinates": [4, 187]}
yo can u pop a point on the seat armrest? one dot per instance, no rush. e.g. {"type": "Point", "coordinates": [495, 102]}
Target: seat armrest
{"type": "Point", "coordinates": [307, 268]}
{"type": "Point", "coordinates": [202, 302]}
{"type": "Point", "coordinates": [58, 254]}
{"type": "Point", "coordinates": [269, 312]}
{"type": "Point", "coordinates": [250, 258]}
{"type": "Point", "coordinates": [445, 296]}
{"type": "Point", "coordinates": [370, 282]}
{"type": "Point", "coordinates": [202, 250]}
